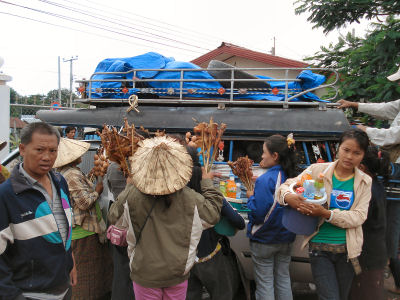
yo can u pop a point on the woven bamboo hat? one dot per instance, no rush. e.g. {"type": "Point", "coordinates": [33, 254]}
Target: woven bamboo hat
{"type": "Point", "coordinates": [70, 150]}
{"type": "Point", "coordinates": [2, 144]}
{"type": "Point", "coordinates": [161, 166]}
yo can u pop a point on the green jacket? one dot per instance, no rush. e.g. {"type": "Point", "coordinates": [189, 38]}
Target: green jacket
{"type": "Point", "coordinates": [167, 248]}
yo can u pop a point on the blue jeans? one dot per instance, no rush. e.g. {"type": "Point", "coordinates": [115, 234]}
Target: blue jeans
{"type": "Point", "coordinates": [332, 273]}
{"type": "Point", "coordinates": [271, 270]}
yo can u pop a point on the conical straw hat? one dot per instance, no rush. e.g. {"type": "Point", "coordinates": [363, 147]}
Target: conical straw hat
{"type": "Point", "coordinates": [2, 144]}
{"type": "Point", "coordinates": [161, 166]}
{"type": "Point", "coordinates": [70, 150]}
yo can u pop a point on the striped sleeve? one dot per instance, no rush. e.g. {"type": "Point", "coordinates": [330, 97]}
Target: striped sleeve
{"type": "Point", "coordinates": [81, 190]}
{"type": "Point", "coordinates": [7, 288]}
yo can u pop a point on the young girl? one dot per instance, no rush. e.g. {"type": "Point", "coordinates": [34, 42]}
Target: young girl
{"type": "Point", "coordinates": [270, 242]}
{"type": "Point", "coordinates": [369, 284]}
{"type": "Point", "coordinates": [337, 241]}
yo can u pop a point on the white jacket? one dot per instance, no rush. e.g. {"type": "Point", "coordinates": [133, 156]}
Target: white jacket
{"type": "Point", "coordinates": [386, 111]}
{"type": "Point", "coordinates": [352, 219]}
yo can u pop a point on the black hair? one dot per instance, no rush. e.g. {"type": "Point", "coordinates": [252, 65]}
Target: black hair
{"type": "Point", "coordinates": [69, 128]}
{"type": "Point", "coordinates": [377, 162]}
{"type": "Point", "coordinates": [287, 158]}
{"type": "Point", "coordinates": [194, 182]}
{"type": "Point", "coordinates": [356, 134]}
{"type": "Point", "coordinates": [40, 127]}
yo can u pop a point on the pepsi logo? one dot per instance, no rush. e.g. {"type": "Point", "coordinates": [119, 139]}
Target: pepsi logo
{"type": "Point", "coordinates": [343, 199]}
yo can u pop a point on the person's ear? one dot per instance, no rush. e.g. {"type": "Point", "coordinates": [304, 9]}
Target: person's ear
{"type": "Point", "coordinates": [21, 149]}
{"type": "Point", "coordinates": [275, 156]}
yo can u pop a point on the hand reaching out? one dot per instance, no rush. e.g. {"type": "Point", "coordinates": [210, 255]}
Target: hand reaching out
{"type": "Point", "coordinates": [345, 104]}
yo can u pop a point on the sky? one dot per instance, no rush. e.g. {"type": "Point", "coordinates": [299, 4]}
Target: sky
{"type": "Point", "coordinates": [34, 33]}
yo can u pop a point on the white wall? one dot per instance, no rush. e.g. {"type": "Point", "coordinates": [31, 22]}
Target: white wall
{"type": "Point", "coordinates": [247, 63]}
{"type": "Point", "coordinates": [4, 112]}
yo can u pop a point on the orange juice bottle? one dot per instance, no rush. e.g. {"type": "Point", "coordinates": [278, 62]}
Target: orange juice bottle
{"type": "Point", "coordinates": [231, 188]}
{"type": "Point", "coordinates": [306, 176]}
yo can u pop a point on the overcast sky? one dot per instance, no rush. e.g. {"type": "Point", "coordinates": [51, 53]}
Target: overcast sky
{"type": "Point", "coordinates": [184, 29]}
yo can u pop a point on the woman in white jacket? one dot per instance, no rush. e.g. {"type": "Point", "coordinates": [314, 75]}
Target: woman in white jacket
{"type": "Point", "coordinates": [338, 238]}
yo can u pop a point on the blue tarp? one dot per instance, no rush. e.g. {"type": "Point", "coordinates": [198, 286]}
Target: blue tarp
{"type": "Point", "coordinates": [203, 89]}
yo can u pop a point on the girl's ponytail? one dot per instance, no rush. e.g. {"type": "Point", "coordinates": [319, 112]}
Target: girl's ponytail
{"type": "Point", "coordinates": [285, 147]}
{"type": "Point", "coordinates": [377, 162]}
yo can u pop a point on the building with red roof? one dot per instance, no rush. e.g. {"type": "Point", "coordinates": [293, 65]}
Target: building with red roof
{"type": "Point", "coordinates": [245, 58]}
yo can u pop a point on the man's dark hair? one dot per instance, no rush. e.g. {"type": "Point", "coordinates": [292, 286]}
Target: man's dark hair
{"type": "Point", "coordinates": [69, 128]}
{"type": "Point", "coordinates": [40, 127]}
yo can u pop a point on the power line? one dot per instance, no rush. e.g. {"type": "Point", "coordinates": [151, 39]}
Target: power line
{"type": "Point", "coordinates": [73, 29]}
{"type": "Point", "coordinates": [94, 26]}
{"type": "Point", "coordinates": [69, 8]}
{"type": "Point", "coordinates": [162, 22]}
{"type": "Point", "coordinates": [129, 21]}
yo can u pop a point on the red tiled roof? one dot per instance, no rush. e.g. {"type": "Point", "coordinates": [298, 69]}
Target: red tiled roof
{"type": "Point", "coordinates": [17, 123]}
{"type": "Point", "coordinates": [234, 50]}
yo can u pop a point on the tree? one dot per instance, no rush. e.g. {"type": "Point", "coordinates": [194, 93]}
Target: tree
{"type": "Point", "coordinates": [65, 94]}
{"type": "Point", "coordinates": [332, 14]}
{"type": "Point", "coordinates": [364, 63]}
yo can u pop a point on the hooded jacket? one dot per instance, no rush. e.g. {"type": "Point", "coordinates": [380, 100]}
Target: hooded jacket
{"type": "Point", "coordinates": [33, 257]}
{"type": "Point", "coordinates": [352, 219]}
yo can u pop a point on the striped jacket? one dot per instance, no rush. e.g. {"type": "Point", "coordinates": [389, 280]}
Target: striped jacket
{"type": "Point", "coordinates": [33, 257]}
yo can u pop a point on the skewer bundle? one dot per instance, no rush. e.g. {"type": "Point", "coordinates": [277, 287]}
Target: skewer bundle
{"type": "Point", "coordinates": [208, 136]}
{"type": "Point", "coordinates": [242, 169]}
{"type": "Point", "coordinates": [100, 165]}
{"type": "Point", "coordinates": [120, 146]}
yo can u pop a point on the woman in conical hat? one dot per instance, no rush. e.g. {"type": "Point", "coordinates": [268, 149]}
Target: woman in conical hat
{"type": "Point", "coordinates": [165, 217]}
{"type": "Point", "coordinates": [93, 261]}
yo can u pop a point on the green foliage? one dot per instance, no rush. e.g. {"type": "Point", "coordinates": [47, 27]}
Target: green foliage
{"type": "Point", "coordinates": [364, 63]}
{"type": "Point", "coordinates": [14, 142]}
{"type": "Point", "coordinates": [332, 14]}
{"type": "Point", "coordinates": [38, 99]}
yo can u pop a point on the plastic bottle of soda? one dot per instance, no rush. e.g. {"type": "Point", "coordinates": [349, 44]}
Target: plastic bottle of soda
{"type": "Point", "coordinates": [222, 187]}
{"type": "Point", "coordinates": [306, 176]}
{"type": "Point", "coordinates": [231, 188]}
{"type": "Point", "coordinates": [319, 186]}
{"type": "Point", "coordinates": [309, 189]}
{"type": "Point", "coordinates": [238, 191]}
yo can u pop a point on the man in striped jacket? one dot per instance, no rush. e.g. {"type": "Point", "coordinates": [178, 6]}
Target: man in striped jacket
{"type": "Point", "coordinates": [35, 222]}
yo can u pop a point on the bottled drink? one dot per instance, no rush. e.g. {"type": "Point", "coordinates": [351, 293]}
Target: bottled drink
{"type": "Point", "coordinates": [231, 188]}
{"type": "Point", "coordinates": [238, 191]}
{"type": "Point", "coordinates": [222, 187]}
{"type": "Point", "coordinates": [306, 176]}
{"type": "Point", "coordinates": [319, 186]}
{"type": "Point", "coordinates": [309, 189]}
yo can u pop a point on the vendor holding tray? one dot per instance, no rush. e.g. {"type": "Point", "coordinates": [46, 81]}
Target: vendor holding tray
{"type": "Point", "coordinates": [337, 241]}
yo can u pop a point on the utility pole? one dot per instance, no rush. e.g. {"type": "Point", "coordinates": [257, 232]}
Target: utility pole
{"type": "Point", "coordinates": [59, 81]}
{"type": "Point", "coordinates": [273, 49]}
{"type": "Point", "coordinates": [71, 77]}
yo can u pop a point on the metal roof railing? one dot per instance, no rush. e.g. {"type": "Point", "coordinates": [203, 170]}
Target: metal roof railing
{"type": "Point", "coordinates": [86, 88]}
